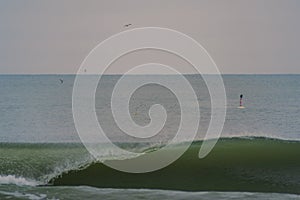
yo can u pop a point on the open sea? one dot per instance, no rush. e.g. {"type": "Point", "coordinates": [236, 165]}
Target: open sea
{"type": "Point", "coordinates": [257, 156]}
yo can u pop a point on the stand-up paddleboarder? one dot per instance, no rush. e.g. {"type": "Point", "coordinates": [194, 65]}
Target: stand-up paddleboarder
{"type": "Point", "coordinates": [241, 101]}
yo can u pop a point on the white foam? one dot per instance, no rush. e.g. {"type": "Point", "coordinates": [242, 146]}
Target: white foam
{"type": "Point", "coordinates": [24, 195]}
{"type": "Point", "coordinates": [12, 179]}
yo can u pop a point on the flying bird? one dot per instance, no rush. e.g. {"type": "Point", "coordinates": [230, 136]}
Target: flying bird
{"type": "Point", "coordinates": [127, 25]}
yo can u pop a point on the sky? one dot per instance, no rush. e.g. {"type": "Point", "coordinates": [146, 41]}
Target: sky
{"type": "Point", "coordinates": [242, 36]}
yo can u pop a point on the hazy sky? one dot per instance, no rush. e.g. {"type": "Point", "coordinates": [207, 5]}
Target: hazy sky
{"type": "Point", "coordinates": [242, 36]}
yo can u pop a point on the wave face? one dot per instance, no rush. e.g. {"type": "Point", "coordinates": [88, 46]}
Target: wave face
{"type": "Point", "coordinates": [236, 164]}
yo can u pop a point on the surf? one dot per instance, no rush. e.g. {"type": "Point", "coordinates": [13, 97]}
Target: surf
{"type": "Point", "coordinates": [235, 164]}
{"type": "Point", "coordinates": [12, 179]}
{"type": "Point", "coordinates": [248, 164]}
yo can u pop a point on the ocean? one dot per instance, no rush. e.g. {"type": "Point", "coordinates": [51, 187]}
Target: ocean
{"type": "Point", "coordinates": [257, 156]}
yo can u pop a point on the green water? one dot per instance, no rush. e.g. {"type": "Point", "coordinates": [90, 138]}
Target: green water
{"type": "Point", "coordinates": [252, 165]}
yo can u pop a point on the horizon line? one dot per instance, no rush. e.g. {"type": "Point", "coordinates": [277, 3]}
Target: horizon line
{"type": "Point", "coordinates": [3, 74]}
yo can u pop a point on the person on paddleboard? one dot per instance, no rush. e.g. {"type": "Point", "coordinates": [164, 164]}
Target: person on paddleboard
{"type": "Point", "coordinates": [241, 100]}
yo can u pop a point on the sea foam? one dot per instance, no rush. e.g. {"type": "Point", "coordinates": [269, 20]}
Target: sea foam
{"type": "Point", "coordinates": [11, 179]}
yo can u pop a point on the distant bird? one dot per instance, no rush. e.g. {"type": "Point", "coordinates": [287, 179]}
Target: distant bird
{"type": "Point", "coordinates": [61, 81]}
{"type": "Point", "coordinates": [127, 25]}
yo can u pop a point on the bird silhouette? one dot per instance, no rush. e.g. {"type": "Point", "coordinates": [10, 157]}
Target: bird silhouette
{"type": "Point", "coordinates": [127, 25]}
{"type": "Point", "coordinates": [61, 81]}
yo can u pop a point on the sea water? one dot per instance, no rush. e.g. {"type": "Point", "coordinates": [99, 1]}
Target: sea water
{"type": "Point", "coordinates": [39, 141]}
